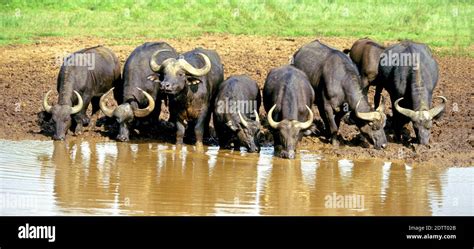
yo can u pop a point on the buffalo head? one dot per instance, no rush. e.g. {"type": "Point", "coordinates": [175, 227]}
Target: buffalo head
{"type": "Point", "coordinates": [61, 115]}
{"type": "Point", "coordinates": [125, 112]}
{"type": "Point", "coordinates": [178, 72]}
{"type": "Point", "coordinates": [247, 131]}
{"type": "Point", "coordinates": [289, 132]}
{"type": "Point", "coordinates": [371, 125]}
{"type": "Point", "coordinates": [422, 119]}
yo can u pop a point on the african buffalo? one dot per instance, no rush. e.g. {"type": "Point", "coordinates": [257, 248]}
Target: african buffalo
{"type": "Point", "coordinates": [84, 76]}
{"type": "Point", "coordinates": [191, 81]}
{"type": "Point", "coordinates": [236, 112]}
{"type": "Point", "coordinates": [365, 53]}
{"type": "Point", "coordinates": [409, 73]}
{"type": "Point", "coordinates": [288, 97]}
{"type": "Point", "coordinates": [140, 89]}
{"type": "Point", "coordinates": [339, 89]}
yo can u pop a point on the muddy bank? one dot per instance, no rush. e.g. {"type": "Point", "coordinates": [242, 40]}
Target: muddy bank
{"type": "Point", "coordinates": [29, 71]}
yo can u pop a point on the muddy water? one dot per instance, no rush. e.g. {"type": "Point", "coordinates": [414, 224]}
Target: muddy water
{"type": "Point", "coordinates": [107, 178]}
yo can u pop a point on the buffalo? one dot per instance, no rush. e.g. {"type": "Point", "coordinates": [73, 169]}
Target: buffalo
{"type": "Point", "coordinates": [365, 53]}
{"type": "Point", "coordinates": [236, 112]}
{"type": "Point", "coordinates": [338, 87]}
{"type": "Point", "coordinates": [287, 98]}
{"type": "Point", "coordinates": [83, 78]}
{"type": "Point", "coordinates": [191, 81]}
{"type": "Point", "coordinates": [140, 90]}
{"type": "Point", "coordinates": [409, 73]}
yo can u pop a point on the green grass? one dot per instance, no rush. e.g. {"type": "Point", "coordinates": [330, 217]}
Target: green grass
{"type": "Point", "coordinates": [441, 24]}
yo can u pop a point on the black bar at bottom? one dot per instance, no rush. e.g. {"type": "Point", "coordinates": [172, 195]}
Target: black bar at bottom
{"type": "Point", "coordinates": [237, 232]}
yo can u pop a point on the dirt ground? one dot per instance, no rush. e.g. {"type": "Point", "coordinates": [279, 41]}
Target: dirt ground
{"type": "Point", "coordinates": [29, 71]}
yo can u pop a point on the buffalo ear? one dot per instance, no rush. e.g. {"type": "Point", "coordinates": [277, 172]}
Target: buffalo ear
{"type": "Point", "coordinates": [155, 78]}
{"type": "Point", "coordinates": [192, 80]}
{"type": "Point", "coordinates": [232, 126]}
{"type": "Point", "coordinates": [44, 116]}
{"type": "Point", "coordinates": [349, 118]}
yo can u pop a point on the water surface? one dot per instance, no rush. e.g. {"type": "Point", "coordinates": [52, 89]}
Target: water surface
{"type": "Point", "coordinates": [108, 178]}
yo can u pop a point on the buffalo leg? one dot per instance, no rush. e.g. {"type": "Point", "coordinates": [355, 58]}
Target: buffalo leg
{"type": "Point", "coordinates": [154, 117]}
{"type": "Point", "coordinates": [365, 84]}
{"type": "Point", "coordinates": [223, 136]}
{"type": "Point", "coordinates": [378, 92]}
{"type": "Point", "coordinates": [224, 141]}
{"type": "Point", "coordinates": [81, 117]}
{"type": "Point", "coordinates": [180, 130]}
{"type": "Point", "coordinates": [333, 126]}
{"type": "Point", "coordinates": [95, 104]}
{"type": "Point", "coordinates": [320, 104]}
{"type": "Point", "coordinates": [399, 123]}
{"type": "Point", "coordinates": [201, 125]}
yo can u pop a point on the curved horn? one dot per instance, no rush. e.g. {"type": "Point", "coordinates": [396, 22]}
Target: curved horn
{"type": "Point", "coordinates": [46, 106]}
{"type": "Point", "coordinates": [257, 118]}
{"type": "Point", "coordinates": [103, 106]}
{"type": "Point", "coordinates": [242, 120]}
{"type": "Point", "coordinates": [368, 116]}
{"type": "Point", "coordinates": [438, 109]}
{"type": "Point", "coordinates": [309, 122]}
{"type": "Point", "coordinates": [155, 67]}
{"type": "Point", "coordinates": [272, 122]}
{"type": "Point", "coordinates": [407, 112]}
{"type": "Point", "coordinates": [77, 108]}
{"type": "Point", "coordinates": [145, 111]}
{"type": "Point", "coordinates": [196, 71]}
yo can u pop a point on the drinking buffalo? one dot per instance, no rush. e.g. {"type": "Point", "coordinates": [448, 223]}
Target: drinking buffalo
{"type": "Point", "coordinates": [191, 81]}
{"type": "Point", "coordinates": [236, 112]}
{"type": "Point", "coordinates": [287, 98]}
{"type": "Point", "coordinates": [410, 82]}
{"type": "Point", "coordinates": [140, 91]}
{"type": "Point", "coordinates": [365, 53]}
{"type": "Point", "coordinates": [84, 76]}
{"type": "Point", "coordinates": [338, 89]}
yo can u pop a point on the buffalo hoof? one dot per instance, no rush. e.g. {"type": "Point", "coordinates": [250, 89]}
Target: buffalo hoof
{"type": "Point", "coordinates": [179, 141]}
{"type": "Point", "coordinates": [335, 142]}
{"type": "Point", "coordinates": [227, 146]}
{"type": "Point", "coordinates": [252, 150]}
{"type": "Point", "coordinates": [199, 147]}
{"type": "Point", "coordinates": [58, 138]}
{"type": "Point", "coordinates": [78, 130]}
{"type": "Point", "coordinates": [122, 138]}
{"type": "Point", "coordinates": [288, 154]}
{"type": "Point", "coordinates": [383, 146]}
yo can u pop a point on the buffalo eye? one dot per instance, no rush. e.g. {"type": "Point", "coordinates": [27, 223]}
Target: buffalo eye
{"type": "Point", "coordinates": [371, 123]}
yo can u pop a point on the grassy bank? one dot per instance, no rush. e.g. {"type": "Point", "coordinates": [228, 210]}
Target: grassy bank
{"type": "Point", "coordinates": [441, 24]}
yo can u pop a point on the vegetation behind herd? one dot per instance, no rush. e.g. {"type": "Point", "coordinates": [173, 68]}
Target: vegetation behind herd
{"type": "Point", "coordinates": [440, 24]}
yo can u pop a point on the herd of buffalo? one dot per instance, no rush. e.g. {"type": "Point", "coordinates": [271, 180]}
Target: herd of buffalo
{"type": "Point", "coordinates": [193, 87]}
